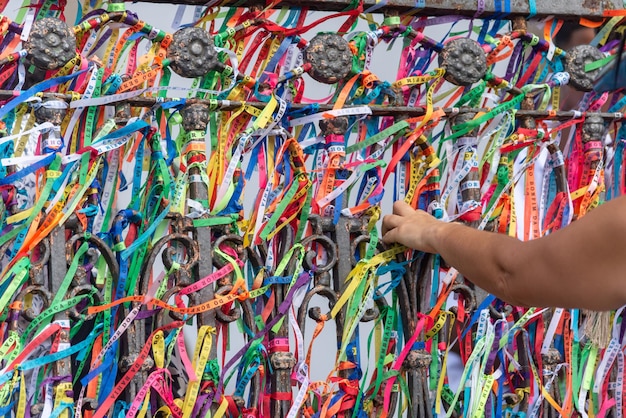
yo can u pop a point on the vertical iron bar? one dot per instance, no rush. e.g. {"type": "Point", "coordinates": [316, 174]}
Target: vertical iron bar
{"type": "Point", "coordinates": [196, 118]}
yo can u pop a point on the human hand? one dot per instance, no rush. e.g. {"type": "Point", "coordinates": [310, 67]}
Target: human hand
{"type": "Point", "coordinates": [413, 228]}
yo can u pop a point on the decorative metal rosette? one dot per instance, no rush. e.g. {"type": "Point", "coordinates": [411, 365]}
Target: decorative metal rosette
{"type": "Point", "coordinates": [192, 52]}
{"type": "Point", "coordinates": [464, 61]}
{"type": "Point", "coordinates": [330, 57]}
{"type": "Point", "coordinates": [51, 44]}
{"type": "Point", "coordinates": [576, 60]}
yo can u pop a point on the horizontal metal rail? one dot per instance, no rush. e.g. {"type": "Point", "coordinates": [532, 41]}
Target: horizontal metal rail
{"type": "Point", "coordinates": [377, 110]}
{"type": "Point", "coordinates": [561, 9]}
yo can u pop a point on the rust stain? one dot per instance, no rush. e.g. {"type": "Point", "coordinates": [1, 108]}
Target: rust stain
{"type": "Point", "coordinates": [592, 4]}
{"type": "Point", "coordinates": [609, 5]}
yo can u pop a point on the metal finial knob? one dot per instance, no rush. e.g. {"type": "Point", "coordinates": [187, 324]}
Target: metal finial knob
{"type": "Point", "coordinates": [334, 126]}
{"type": "Point", "coordinates": [50, 110]}
{"type": "Point", "coordinates": [594, 128]}
{"type": "Point", "coordinates": [195, 117]}
{"type": "Point", "coordinates": [463, 117]}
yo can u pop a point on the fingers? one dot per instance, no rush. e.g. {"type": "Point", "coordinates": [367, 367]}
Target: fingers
{"type": "Point", "coordinates": [390, 222]}
{"type": "Point", "coordinates": [403, 209]}
{"type": "Point", "coordinates": [390, 236]}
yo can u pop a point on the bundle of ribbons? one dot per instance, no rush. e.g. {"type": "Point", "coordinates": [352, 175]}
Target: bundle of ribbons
{"type": "Point", "coordinates": [145, 225]}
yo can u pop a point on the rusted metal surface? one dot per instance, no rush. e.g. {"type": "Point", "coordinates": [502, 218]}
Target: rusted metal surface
{"type": "Point", "coordinates": [417, 364]}
{"type": "Point", "coordinates": [194, 244]}
{"type": "Point", "coordinates": [576, 60]}
{"type": "Point", "coordinates": [551, 360]}
{"type": "Point", "coordinates": [50, 110]}
{"type": "Point", "coordinates": [51, 44]}
{"type": "Point", "coordinates": [335, 126]}
{"type": "Point", "coordinates": [330, 57]}
{"type": "Point", "coordinates": [593, 136]}
{"type": "Point", "coordinates": [57, 271]}
{"type": "Point", "coordinates": [377, 110]}
{"type": "Point", "coordinates": [594, 129]}
{"type": "Point", "coordinates": [192, 52]}
{"type": "Point", "coordinates": [195, 116]}
{"type": "Point", "coordinates": [470, 188]}
{"type": "Point", "coordinates": [561, 9]}
{"type": "Point", "coordinates": [194, 249]}
{"type": "Point", "coordinates": [464, 61]}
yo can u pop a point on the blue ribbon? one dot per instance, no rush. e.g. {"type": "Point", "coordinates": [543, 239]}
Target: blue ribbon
{"type": "Point", "coordinates": [27, 170]}
{"type": "Point", "coordinates": [37, 88]}
{"type": "Point", "coordinates": [485, 303]}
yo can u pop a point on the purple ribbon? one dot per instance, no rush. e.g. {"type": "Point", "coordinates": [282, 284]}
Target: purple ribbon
{"type": "Point", "coordinates": [303, 279]}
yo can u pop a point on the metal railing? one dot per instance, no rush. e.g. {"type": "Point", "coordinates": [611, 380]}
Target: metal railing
{"type": "Point", "coordinates": [202, 256]}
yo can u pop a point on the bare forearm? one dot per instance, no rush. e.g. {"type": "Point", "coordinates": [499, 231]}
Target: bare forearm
{"type": "Point", "coordinates": [485, 258]}
{"type": "Point", "coordinates": [581, 266]}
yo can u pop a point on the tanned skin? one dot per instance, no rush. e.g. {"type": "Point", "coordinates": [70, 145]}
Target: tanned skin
{"type": "Point", "coordinates": [580, 266]}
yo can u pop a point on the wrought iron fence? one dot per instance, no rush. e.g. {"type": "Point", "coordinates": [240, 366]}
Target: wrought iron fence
{"type": "Point", "coordinates": [95, 299]}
